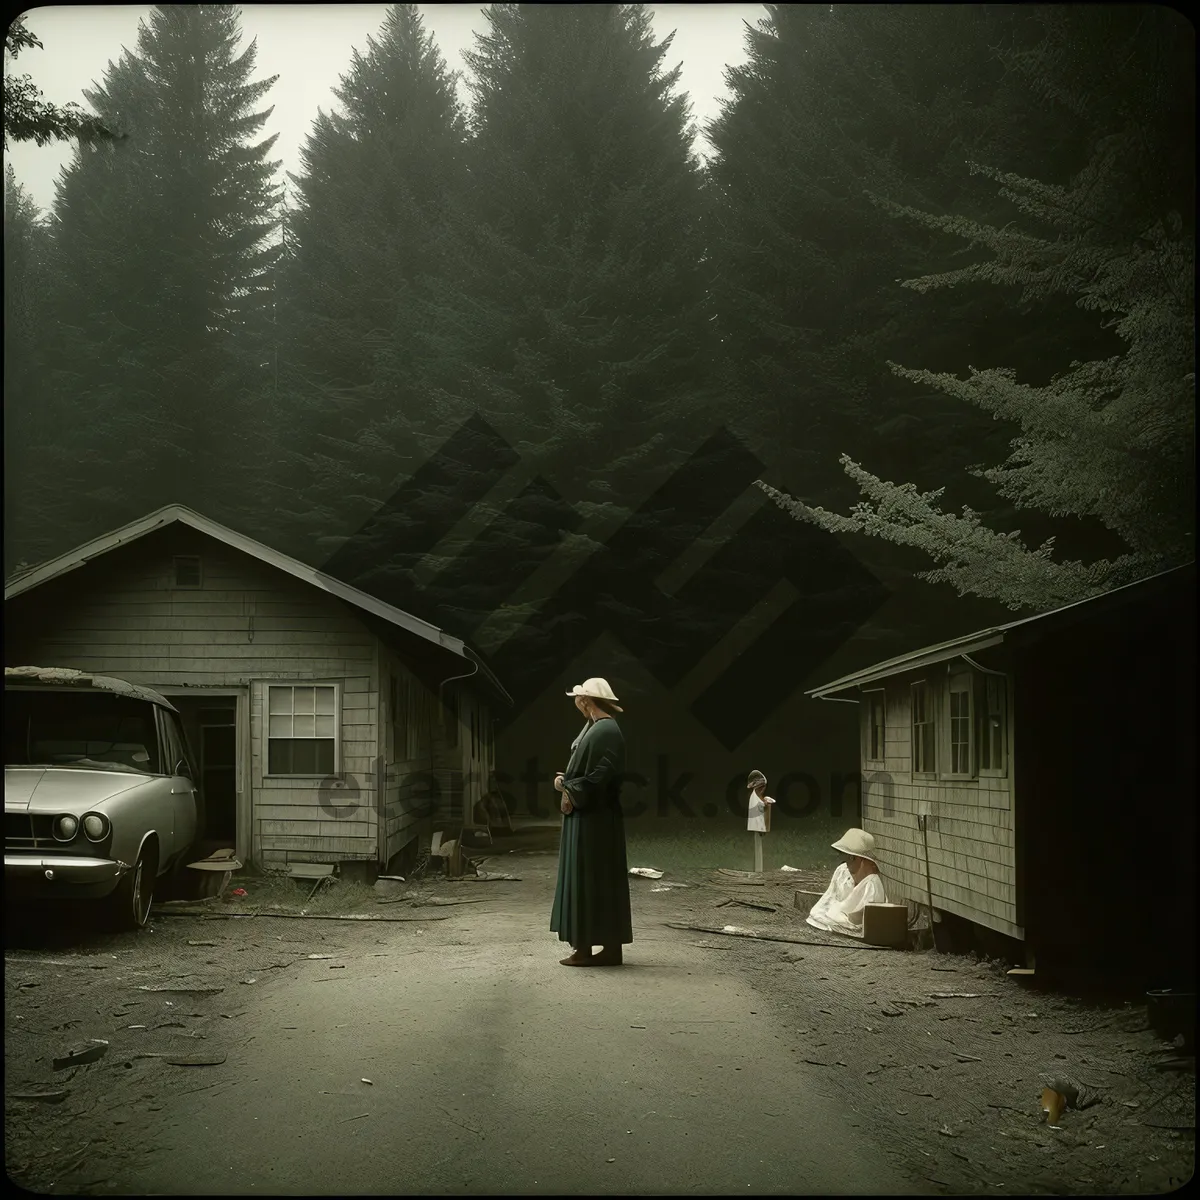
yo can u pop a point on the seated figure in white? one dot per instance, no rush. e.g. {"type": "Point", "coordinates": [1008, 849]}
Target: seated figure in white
{"type": "Point", "coordinates": [855, 884]}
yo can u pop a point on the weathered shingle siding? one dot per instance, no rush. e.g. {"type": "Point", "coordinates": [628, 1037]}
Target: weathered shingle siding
{"type": "Point", "coordinates": [972, 864]}
{"type": "Point", "coordinates": [406, 743]}
{"type": "Point", "coordinates": [247, 624]}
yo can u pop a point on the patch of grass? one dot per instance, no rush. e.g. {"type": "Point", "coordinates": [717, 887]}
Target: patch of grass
{"type": "Point", "coordinates": [682, 846]}
{"type": "Point", "coordinates": [291, 895]}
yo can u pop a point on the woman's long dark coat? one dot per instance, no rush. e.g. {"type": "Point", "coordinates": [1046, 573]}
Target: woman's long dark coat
{"type": "Point", "coordinates": [591, 902]}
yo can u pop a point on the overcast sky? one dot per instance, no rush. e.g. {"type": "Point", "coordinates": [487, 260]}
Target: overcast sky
{"type": "Point", "coordinates": [308, 47]}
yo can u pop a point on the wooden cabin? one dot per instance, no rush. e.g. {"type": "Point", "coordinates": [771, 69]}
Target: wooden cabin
{"type": "Point", "coordinates": [1045, 770]}
{"type": "Point", "coordinates": [328, 726]}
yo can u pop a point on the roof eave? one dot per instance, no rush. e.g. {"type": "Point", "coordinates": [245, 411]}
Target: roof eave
{"type": "Point", "coordinates": [914, 661]}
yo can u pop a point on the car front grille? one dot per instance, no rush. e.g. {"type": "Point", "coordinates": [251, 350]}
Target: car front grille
{"type": "Point", "coordinates": [25, 831]}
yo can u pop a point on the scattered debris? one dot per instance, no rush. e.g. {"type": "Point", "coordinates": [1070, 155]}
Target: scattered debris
{"type": "Point", "coordinates": [1075, 1095]}
{"type": "Point", "coordinates": [191, 943]}
{"type": "Point", "coordinates": [193, 1060]}
{"type": "Point", "coordinates": [46, 1095]}
{"type": "Point", "coordinates": [958, 995]}
{"type": "Point", "coordinates": [320, 956]}
{"type": "Point", "coordinates": [91, 1053]}
{"type": "Point", "coordinates": [646, 872]}
{"type": "Point", "coordinates": [735, 931]}
{"type": "Point", "coordinates": [890, 1011]}
{"type": "Point", "coordinates": [967, 1057]}
{"type": "Point", "coordinates": [187, 991]}
{"type": "Point", "coordinates": [1053, 1104]}
{"type": "Point", "coordinates": [365, 1081]}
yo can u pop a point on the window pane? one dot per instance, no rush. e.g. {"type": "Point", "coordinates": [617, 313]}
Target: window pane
{"type": "Point", "coordinates": [279, 699]}
{"type": "Point", "coordinates": [304, 757]}
{"type": "Point", "coordinates": [280, 727]}
{"type": "Point", "coordinates": [324, 756]}
{"type": "Point", "coordinates": [304, 726]}
{"type": "Point", "coordinates": [325, 701]}
{"type": "Point", "coordinates": [304, 700]}
{"type": "Point", "coordinates": [279, 757]}
{"type": "Point", "coordinates": [325, 727]}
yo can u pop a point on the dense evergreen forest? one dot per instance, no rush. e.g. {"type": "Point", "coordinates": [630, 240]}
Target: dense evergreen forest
{"type": "Point", "coordinates": [940, 256]}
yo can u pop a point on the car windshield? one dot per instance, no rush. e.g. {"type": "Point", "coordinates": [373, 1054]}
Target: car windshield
{"type": "Point", "coordinates": [95, 730]}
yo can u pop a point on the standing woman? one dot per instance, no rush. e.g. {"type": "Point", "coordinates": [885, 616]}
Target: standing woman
{"type": "Point", "coordinates": [591, 902]}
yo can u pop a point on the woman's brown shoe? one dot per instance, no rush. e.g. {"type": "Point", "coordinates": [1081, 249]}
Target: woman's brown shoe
{"type": "Point", "coordinates": [607, 958]}
{"type": "Point", "coordinates": [578, 959]}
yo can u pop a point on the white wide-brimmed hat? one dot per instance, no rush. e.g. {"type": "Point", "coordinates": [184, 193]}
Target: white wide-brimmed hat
{"type": "Point", "coordinates": [857, 842]}
{"type": "Point", "coordinates": [597, 689]}
{"type": "Point", "coordinates": [754, 779]}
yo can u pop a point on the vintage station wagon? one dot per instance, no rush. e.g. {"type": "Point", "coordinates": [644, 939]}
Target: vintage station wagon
{"type": "Point", "coordinates": [100, 798]}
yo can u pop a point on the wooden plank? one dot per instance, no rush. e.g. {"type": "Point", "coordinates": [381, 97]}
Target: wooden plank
{"type": "Point", "coordinates": [321, 845]}
{"type": "Point", "coordinates": [315, 830]}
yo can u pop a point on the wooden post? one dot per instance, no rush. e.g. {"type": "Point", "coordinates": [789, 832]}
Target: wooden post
{"type": "Point", "coordinates": [758, 861]}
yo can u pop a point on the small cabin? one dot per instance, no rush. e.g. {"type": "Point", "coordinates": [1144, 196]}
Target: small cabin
{"type": "Point", "coordinates": [327, 726]}
{"type": "Point", "coordinates": [1038, 778]}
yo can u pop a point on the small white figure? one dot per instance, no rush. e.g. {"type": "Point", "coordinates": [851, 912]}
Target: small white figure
{"type": "Point", "coordinates": [758, 818]}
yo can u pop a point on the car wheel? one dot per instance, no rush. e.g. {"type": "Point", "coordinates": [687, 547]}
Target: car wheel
{"type": "Point", "coordinates": [130, 903]}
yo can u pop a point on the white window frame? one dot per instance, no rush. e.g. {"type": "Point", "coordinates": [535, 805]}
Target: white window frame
{"type": "Point", "coordinates": [870, 697]}
{"type": "Point", "coordinates": [965, 681]}
{"type": "Point", "coordinates": [337, 727]}
{"type": "Point", "coordinates": [931, 718]}
{"type": "Point", "coordinates": [985, 681]}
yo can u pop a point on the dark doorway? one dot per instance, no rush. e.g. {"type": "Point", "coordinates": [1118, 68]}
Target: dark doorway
{"type": "Point", "coordinates": [218, 774]}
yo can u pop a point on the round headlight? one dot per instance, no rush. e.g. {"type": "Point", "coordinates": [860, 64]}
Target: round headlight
{"type": "Point", "coordinates": [66, 827]}
{"type": "Point", "coordinates": [95, 826]}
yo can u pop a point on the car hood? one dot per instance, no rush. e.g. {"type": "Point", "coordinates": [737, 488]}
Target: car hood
{"type": "Point", "coordinates": [64, 789]}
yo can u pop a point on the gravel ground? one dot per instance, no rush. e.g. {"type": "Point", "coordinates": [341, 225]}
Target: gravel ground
{"type": "Point", "coordinates": [954, 1079]}
{"type": "Point", "coordinates": [948, 1084]}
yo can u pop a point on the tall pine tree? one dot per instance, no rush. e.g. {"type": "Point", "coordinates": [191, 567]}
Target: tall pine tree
{"type": "Point", "coordinates": [25, 247]}
{"type": "Point", "coordinates": [565, 302]}
{"type": "Point", "coordinates": [159, 290]}
{"type": "Point", "coordinates": [586, 272]}
{"type": "Point", "coordinates": [833, 103]}
{"type": "Point", "coordinates": [366, 228]}
{"type": "Point", "coordinates": [1110, 436]}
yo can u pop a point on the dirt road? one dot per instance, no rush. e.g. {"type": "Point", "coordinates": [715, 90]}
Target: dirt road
{"type": "Point", "coordinates": [706, 1064]}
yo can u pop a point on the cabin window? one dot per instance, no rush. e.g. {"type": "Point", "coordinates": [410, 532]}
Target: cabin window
{"type": "Point", "coordinates": [187, 571]}
{"type": "Point", "coordinates": [923, 730]}
{"type": "Point", "coordinates": [874, 748]}
{"type": "Point", "coordinates": [302, 729]}
{"type": "Point", "coordinates": [992, 698]}
{"type": "Point", "coordinates": [960, 725]}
